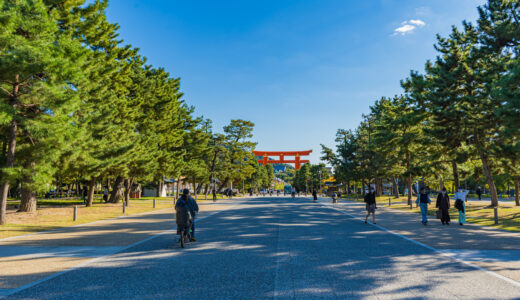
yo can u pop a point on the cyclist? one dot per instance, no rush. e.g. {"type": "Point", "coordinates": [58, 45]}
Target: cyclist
{"type": "Point", "coordinates": [334, 198]}
{"type": "Point", "coordinates": [293, 192]}
{"type": "Point", "coordinates": [191, 204]}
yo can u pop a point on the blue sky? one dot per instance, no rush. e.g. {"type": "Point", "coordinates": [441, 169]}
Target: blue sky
{"type": "Point", "coordinates": [298, 69]}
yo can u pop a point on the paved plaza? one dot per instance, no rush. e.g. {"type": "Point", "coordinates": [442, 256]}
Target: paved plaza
{"type": "Point", "coordinates": [265, 248]}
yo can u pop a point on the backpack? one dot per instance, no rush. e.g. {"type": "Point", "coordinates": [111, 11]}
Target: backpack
{"type": "Point", "coordinates": [182, 215]}
{"type": "Point", "coordinates": [459, 205]}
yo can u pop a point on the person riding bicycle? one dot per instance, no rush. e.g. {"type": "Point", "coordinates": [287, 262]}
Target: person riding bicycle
{"type": "Point", "coordinates": [188, 202]}
{"type": "Point", "coordinates": [334, 198]}
{"type": "Point", "coordinates": [293, 192]}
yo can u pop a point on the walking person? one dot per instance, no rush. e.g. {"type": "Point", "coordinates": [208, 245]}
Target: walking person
{"type": "Point", "coordinates": [214, 192]}
{"type": "Point", "coordinates": [443, 204]}
{"type": "Point", "coordinates": [85, 194]}
{"type": "Point", "coordinates": [460, 204]}
{"type": "Point", "coordinates": [370, 200]}
{"type": "Point", "coordinates": [314, 195]}
{"type": "Point", "coordinates": [105, 194]}
{"type": "Point", "coordinates": [423, 199]}
{"type": "Point", "coordinates": [479, 193]}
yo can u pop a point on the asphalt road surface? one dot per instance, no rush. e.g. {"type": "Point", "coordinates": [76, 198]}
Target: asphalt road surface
{"type": "Point", "coordinates": [277, 248]}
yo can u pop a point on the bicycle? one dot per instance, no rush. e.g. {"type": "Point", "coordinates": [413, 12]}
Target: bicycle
{"type": "Point", "coordinates": [185, 235]}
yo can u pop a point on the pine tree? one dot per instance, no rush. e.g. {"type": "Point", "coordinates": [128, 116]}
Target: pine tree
{"type": "Point", "coordinates": [39, 71]}
{"type": "Point", "coordinates": [239, 149]}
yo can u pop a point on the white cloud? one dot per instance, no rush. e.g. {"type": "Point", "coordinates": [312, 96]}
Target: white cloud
{"type": "Point", "coordinates": [417, 22]}
{"type": "Point", "coordinates": [408, 27]}
{"type": "Point", "coordinates": [405, 29]}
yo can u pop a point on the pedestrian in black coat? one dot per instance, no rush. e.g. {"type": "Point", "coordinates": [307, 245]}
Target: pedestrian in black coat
{"type": "Point", "coordinates": [443, 204]}
{"type": "Point", "coordinates": [370, 200]}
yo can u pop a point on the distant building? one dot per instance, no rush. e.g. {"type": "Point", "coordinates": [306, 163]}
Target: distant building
{"type": "Point", "coordinates": [330, 170]}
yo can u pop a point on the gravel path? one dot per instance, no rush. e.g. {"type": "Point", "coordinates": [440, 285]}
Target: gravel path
{"type": "Point", "coordinates": [276, 248]}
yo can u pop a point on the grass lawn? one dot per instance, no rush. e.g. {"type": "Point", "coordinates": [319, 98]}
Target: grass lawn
{"type": "Point", "coordinates": [52, 214]}
{"type": "Point", "coordinates": [476, 213]}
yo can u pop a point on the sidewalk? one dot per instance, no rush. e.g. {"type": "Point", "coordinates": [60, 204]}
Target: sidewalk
{"type": "Point", "coordinates": [28, 258]}
{"type": "Point", "coordinates": [493, 249]}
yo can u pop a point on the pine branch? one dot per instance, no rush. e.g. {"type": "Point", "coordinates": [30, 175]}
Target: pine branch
{"type": "Point", "coordinates": [6, 91]}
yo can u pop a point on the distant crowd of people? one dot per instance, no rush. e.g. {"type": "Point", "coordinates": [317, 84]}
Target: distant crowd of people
{"type": "Point", "coordinates": [423, 200]}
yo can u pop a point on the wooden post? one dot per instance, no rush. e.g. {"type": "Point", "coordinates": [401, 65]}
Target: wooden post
{"type": "Point", "coordinates": [124, 208]}
{"type": "Point", "coordinates": [496, 215]}
{"type": "Point", "coordinates": [153, 202]}
{"type": "Point", "coordinates": [75, 213]}
{"type": "Point", "coordinates": [389, 201]}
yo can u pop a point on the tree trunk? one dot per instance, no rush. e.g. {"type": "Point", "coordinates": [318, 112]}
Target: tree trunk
{"type": "Point", "coordinates": [395, 187]}
{"type": "Point", "coordinates": [517, 202]}
{"type": "Point", "coordinates": [206, 190]}
{"type": "Point", "coordinates": [91, 187]}
{"type": "Point", "coordinates": [456, 180]}
{"type": "Point", "coordinates": [115, 196]}
{"type": "Point", "coordinates": [363, 187]}
{"type": "Point", "coordinates": [28, 195]}
{"type": "Point", "coordinates": [199, 188]}
{"type": "Point", "coordinates": [28, 200]}
{"type": "Point", "coordinates": [160, 187]}
{"type": "Point", "coordinates": [13, 131]}
{"type": "Point", "coordinates": [128, 187]}
{"type": "Point", "coordinates": [78, 188]}
{"type": "Point", "coordinates": [194, 189]}
{"type": "Point", "coordinates": [223, 185]}
{"type": "Point", "coordinates": [58, 187]}
{"type": "Point", "coordinates": [441, 183]}
{"type": "Point", "coordinates": [489, 177]}
{"type": "Point", "coordinates": [380, 186]}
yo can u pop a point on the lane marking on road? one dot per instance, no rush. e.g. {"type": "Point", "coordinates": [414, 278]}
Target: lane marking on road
{"type": "Point", "coordinates": [47, 278]}
{"type": "Point", "coordinates": [440, 252]}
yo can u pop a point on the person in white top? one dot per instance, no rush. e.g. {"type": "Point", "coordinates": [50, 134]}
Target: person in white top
{"type": "Point", "coordinates": [460, 202]}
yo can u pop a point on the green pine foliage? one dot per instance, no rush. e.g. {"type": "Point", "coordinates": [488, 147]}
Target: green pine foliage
{"type": "Point", "coordinates": [456, 123]}
{"type": "Point", "coordinates": [80, 108]}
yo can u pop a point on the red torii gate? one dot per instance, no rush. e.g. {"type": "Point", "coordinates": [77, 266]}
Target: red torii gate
{"type": "Point", "coordinates": [282, 154]}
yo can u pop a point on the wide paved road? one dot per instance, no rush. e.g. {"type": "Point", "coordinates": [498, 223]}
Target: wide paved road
{"type": "Point", "coordinates": [276, 248]}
